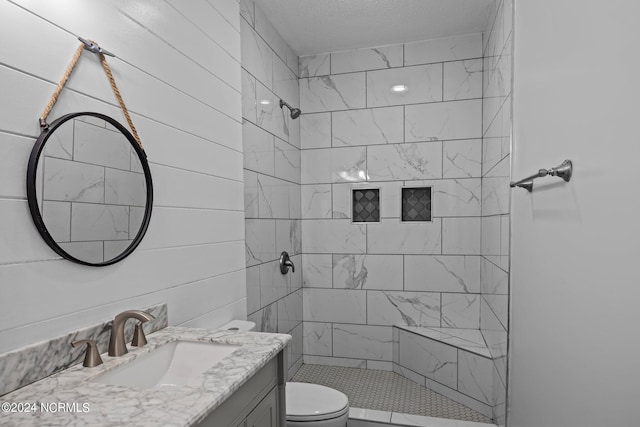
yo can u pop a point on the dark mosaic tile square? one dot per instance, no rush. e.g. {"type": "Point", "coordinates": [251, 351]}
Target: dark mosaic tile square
{"type": "Point", "coordinates": [416, 204]}
{"type": "Point", "coordinates": [366, 205]}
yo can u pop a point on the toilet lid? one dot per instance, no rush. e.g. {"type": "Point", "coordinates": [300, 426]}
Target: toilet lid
{"type": "Point", "coordinates": [313, 402]}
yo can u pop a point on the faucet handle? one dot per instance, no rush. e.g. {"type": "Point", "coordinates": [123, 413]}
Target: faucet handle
{"type": "Point", "coordinates": [138, 336]}
{"type": "Point", "coordinates": [92, 356]}
{"type": "Point", "coordinates": [286, 263]}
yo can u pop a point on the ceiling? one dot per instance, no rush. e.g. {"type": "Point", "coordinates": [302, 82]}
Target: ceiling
{"type": "Point", "coordinates": [317, 26]}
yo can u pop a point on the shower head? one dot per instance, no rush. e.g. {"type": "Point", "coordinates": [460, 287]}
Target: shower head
{"type": "Point", "coordinates": [295, 112]}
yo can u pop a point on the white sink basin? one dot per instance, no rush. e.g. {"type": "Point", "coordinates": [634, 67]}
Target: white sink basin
{"type": "Point", "coordinates": [171, 365]}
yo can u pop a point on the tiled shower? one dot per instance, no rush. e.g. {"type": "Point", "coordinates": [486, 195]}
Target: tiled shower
{"type": "Point", "coordinates": [426, 120]}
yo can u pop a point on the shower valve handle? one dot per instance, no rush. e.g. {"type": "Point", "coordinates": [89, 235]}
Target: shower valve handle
{"type": "Point", "coordinates": [286, 263]}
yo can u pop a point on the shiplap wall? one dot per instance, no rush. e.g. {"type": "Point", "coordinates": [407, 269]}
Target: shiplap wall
{"type": "Point", "coordinates": [178, 68]}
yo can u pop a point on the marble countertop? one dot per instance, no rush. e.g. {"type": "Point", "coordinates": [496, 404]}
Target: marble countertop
{"type": "Point", "coordinates": [94, 404]}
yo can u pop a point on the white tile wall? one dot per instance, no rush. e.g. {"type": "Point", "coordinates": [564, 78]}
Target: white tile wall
{"type": "Point", "coordinates": [388, 145]}
{"type": "Point", "coordinates": [274, 199]}
{"type": "Point", "coordinates": [290, 312]}
{"type": "Point", "coordinates": [463, 80]}
{"type": "Point", "coordinates": [429, 358]}
{"type": "Point", "coordinates": [273, 285]}
{"type": "Point", "coordinates": [258, 149]}
{"type": "Point", "coordinates": [317, 270]}
{"type": "Point", "coordinates": [335, 361]}
{"type": "Point", "coordinates": [367, 271]}
{"type": "Point", "coordinates": [260, 240]}
{"type": "Point", "coordinates": [411, 308]}
{"type": "Point", "coordinates": [445, 49]}
{"type": "Point", "coordinates": [362, 342]}
{"type": "Point", "coordinates": [461, 310]}
{"type": "Point", "coordinates": [424, 84]}
{"type": "Point", "coordinates": [287, 161]}
{"type": "Point", "coordinates": [445, 120]}
{"type": "Point", "coordinates": [335, 165]}
{"type": "Point", "coordinates": [315, 65]}
{"type": "Point", "coordinates": [495, 210]}
{"type": "Point", "coordinates": [330, 93]}
{"type": "Point", "coordinates": [367, 127]}
{"type": "Point", "coordinates": [272, 169]}
{"type": "Point", "coordinates": [475, 377]}
{"type": "Point", "coordinates": [461, 236]}
{"type": "Point", "coordinates": [271, 36]}
{"type": "Point", "coordinates": [250, 194]}
{"type": "Point", "coordinates": [453, 197]}
{"type": "Point", "coordinates": [257, 57]}
{"type": "Point", "coordinates": [333, 236]}
{"type": "Point", "coordinates": [461, 159]}
{"type": "Point", "coordinates": [442, 273]}
{"type": "Point", "coordinates": [315, 130]}
{"type": "Point", "coordinates": [317, 338]}
{"type": "Point", "coordinates": [270, 116]}
{"type": "Point", "coordinates": [334, 305]}
{"type": "Point", "coordinates": [366, 59]}
{"type": "Point", "coordinates": [249, 107]}
{"type": "Point", "coordinates": [316, 201]}
{"type": "Point", "coordinates": [392, 236]}
{"type": "Point", "coordinates": [399, 162]}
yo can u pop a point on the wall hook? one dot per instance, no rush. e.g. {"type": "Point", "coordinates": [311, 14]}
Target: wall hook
{"type": "Point", "coordinates": [93, 47]}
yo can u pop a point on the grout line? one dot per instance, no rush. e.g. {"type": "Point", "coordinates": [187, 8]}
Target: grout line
{"type": "Point", "coordinates": [443, 76]}
{"type": "Point", "coordinates": [473, 58]}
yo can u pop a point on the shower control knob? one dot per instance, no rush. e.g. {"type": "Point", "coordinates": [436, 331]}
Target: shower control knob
{"type": "Point", "coordinates": [286, 263]}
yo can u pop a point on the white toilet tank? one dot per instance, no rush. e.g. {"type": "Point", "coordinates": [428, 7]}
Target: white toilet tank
{"type": "Point", "coordinates": [239, 325]}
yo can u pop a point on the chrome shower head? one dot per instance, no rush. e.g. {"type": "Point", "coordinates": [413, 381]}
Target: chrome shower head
{"type": "Point", "coordinates": [295, 112]}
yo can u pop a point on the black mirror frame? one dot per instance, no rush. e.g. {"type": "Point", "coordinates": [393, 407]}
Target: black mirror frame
{"type": "Point", "coordinates": [33, 201]}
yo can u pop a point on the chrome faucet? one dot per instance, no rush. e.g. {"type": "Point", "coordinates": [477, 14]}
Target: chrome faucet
{"type": "Point", "coordinates": [117, 346]}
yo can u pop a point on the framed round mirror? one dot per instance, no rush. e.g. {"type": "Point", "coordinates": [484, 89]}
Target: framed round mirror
{"type": "Point", "coordinates": [89, 189]}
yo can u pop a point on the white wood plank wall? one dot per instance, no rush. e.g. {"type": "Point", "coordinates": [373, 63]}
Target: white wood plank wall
{"type": "Point", "coordinates": [178, 68]}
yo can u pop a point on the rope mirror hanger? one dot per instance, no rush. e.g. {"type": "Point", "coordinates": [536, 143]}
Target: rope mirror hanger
{"type": "Point", "coordinates": [91, 46]}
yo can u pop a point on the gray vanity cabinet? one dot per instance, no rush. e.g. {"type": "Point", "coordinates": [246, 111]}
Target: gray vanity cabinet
{"type": "Point", "coordinates": [266, 413]}
{"type": "Point", "coordinates": [258, 403]}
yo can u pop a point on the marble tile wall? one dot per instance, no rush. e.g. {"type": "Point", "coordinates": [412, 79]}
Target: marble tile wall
{"type": "Point", "coordinates": [456, 366]}
{"type": "Point", "coordinates": [496, 149]}
{"type": "Point", "coordinates": [361, 279]}
{"type": "Point", "coordinates": [271, 152]}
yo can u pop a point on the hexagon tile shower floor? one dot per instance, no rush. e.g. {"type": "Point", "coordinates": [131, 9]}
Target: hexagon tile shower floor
{"type": "Point", "coordinates": [386, 391]}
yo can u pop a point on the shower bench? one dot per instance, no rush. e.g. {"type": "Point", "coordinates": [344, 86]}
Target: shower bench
{"type": "Point", "coordinates": [454, 362]}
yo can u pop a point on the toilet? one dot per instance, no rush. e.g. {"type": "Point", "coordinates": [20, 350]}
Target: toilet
{"type": "Point", "coordinates": [308, 405]}
{"type": "Point", "coordinates": [313, 405]}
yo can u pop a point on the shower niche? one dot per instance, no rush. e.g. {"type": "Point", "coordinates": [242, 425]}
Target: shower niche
{"type": "Point", "coordinates": [365, 204]}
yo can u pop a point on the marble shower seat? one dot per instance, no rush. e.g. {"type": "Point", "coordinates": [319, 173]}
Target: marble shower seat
{"type": "Point", "coordinates": [453, 362]}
